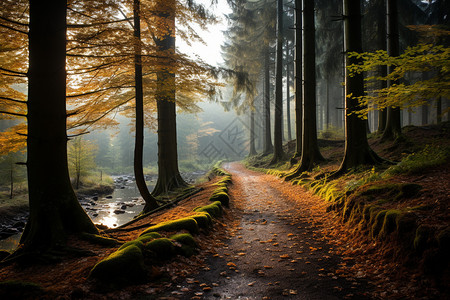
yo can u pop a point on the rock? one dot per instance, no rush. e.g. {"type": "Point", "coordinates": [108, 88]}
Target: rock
{"type": "Point", "coordinates": [119, 211]}
{"type": "Point", "coordinates": [95, 215]}
{"type": "Point", "coordinates": [123, 207]}
{"type": "Point", "coordinates": [19, 224]}
{"type": "Point", "coordinates": [95, 198]}
{"type": "Point", "coordinates": [108, 197]}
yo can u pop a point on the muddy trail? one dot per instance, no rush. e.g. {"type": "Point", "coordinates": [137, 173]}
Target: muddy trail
{"type": "Point", "coordinates": [274, 248]}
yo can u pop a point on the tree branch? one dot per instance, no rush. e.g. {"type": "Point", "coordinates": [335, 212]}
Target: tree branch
{"type": "Point", "coordinates": [13, 29]}
{"type": "Point", "coordinates": [95, 24]}
{"type": "Point", "coordinates": [13, 100]}
{"type": "Point", "coordinates": [14, 72]}
{"type": "Point", "coordinates": [12, 114]}
{"type": "Point", "coordinates": [100, 90]}
{"type": "Point", "coordinates": [14, 22]}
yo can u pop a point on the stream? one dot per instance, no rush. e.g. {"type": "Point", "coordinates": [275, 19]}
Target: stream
{"type": "Point", "coordinates": [111, 210]}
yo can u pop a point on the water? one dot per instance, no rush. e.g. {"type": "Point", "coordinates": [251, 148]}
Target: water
{"type": "Point", "coordinates": [111, 210]}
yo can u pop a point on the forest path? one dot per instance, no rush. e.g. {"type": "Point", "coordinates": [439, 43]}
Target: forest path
{"type": "Point", "coordinates": [275, 249]}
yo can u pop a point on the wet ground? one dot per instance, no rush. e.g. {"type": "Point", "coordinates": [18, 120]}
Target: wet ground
{"type": "Point", "coordinates": [274, 251]}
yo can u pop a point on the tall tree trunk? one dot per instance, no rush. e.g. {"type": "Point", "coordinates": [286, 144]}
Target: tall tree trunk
{"type": "Point", "coordinates": [393, 121]}
{"type": "Point", "coordinates": [288, 94]}
{"type": "Point", "coordinates": [298, 78]}
{"type": "Point", "coordinates": [381, 44]}
{"type": "Point", "coordinates": [327, 104]}
{"type": "Point", "coordinates": [54, 208]}
{"type": "Point", "coordinates": [268, 146]}
{"type": "Point", "coordinates": [357, 149]}
{"type": "Point", "coordinates": [252, 133]}
{"type": "Point", "coordinates": [169, 177]}
{"type": "Point", "coordinates": [150, 201]}
{"type": "Point", "coordinates": [310, 150]}
{"type": "Point", "coordinates": [278, 153]}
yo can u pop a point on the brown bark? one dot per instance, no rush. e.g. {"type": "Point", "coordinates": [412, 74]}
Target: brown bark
{"type": "Point", "coordinates": [278, 154]}
{"type": "Point", "coordinates": [169, 177]}
{"type": "Point", "coordinates": [357, 149]}
{"type": "Point", "coordinates": [150, 201]}
{"type": "Point", "coordinates": [298, 79]}
{"type": "Point", "coordinates": [54, 208]}
{"type": "Point", "coordinates": [268, 146]}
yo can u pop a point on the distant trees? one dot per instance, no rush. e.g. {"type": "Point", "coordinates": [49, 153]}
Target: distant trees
{"type": "Point", "coordinates": [81, 155]}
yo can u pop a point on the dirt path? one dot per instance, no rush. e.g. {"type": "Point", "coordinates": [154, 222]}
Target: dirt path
{"type": "Point", "coordinates": [274, 250]}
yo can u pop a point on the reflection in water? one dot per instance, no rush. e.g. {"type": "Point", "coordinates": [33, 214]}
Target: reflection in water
{"type": "Point", "coordinates": [10, 243]}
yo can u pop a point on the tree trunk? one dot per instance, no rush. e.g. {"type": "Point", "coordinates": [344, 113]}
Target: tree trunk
{"type": "Point", "coordinates": [150, 201]}
{"type": "Point", "coordinates": [310, 150]}
{"type": "Point", "coordinates": [169, 177]}
{"type": "Point", "coordinates": [54, 208]}
{"type": "Point", "coordinates": [288, 95]}
{"type": "Point", "coordinates": [393, 121]}
{"type": "Point", "coordinates": [278, 153]}
{"type": "Point", "coordinates": [298, 79]}
{"type": "Point", "coordinates": [252, 133]}
{"type": "Point", "coordinates": [381, 44]}
{"type": "Point", "coordinates": [268, 146]}
{"type": "Point", "coordinates": [357, 149]}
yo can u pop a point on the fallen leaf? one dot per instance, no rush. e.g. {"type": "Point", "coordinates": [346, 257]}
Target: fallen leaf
{"type": "Point", "coordinates": [285, 256]}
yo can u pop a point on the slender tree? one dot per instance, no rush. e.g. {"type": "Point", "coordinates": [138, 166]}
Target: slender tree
{"type": "Point", "coordinates": [310, 148]}
{"type": "Point", "coordinates": [150, 201]}
{"type": "Point", "coordinates": [298, 78]}
{"type": "Point", "coordinates": [357, 149]}
{"type": "Point", "coordinates": [54, 208]}
{"type": "Point", "coordinates": [393, 123]}
{"type": "Point", "coordinates": [268, 146]}
{"type": "Point", "coordinates": [278, 153]}
{"type": "Point", "coordinates": [169, 177]}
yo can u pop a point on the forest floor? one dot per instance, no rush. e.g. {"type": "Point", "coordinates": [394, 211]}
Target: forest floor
{"type": "Point", "coordinates": [275, 241]}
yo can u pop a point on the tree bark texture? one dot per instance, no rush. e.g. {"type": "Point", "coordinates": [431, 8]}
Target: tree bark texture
{"type": "Point", "coordinates": [298, 78]}
{"type": "Point", "coordinates": [310, 148]}
{"type": "Point", "coordinates": [278, 153]}
{"type": "Point", "coordinates": [169, 177]}
{"type": "Point", "coordinates": [150, 201]}
{"type": "Point", "coordinates": [252, 133]}
{"type": "Point", "coordinates": [357, 149]}
{"type": "Point", "coordinates": [54, 208]}
{"type": "Point", "coordinates": [393, 121]}
{"type": "Point", "coordinates": [381, 44]}
{"type": "Point", "coordinates": [288, 94]}
{"type": "Point", "coordinates": [268, 146]}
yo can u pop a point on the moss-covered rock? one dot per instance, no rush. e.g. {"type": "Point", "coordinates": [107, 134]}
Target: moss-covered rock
{"type": "Point", "coordinates": [123, 266]}
{"type": "Point", "coordinates": [15, 289]}
{"type": "Point", "coordinates": [203, 219]}
{"type": "Point", "coordinates": [187, 242]}
{"type": "Point", "coordinates": [214, 209]}
{"type": "Point", "coordinates": [222, 187]}
{"type": "Point", "coordinates": [423, 233]}
{"type": "Point", "coordinates": [162, 248]}
{"type": "Point", "coordinates": [406, 229]}
{"type": "Point", "coordinates": [225, 180]}
{"type": "Point", "coordinates": [377, 223]}
{"type": "Point", "coordinates": [390, 223]}
{"type": "Point", "coordinates": [188, 224]}
{"type": "Point", "coordinates": [222, 197]}
{"type": "Point", "coordinates": [145, 238]}
{"type": "Point", "coordinates": [136, 243]}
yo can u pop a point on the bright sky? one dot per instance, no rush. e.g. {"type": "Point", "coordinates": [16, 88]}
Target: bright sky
{"type": "Point", "coordinates": [209, 53]}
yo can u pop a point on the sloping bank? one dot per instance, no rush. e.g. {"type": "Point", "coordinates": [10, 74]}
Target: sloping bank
{"type": "Point", "coordinates": [134, 260]}
{"type": "Point", "coordinates": [396, 209]}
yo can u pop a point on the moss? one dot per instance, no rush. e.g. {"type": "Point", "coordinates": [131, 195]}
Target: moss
{"type": "Point", "coordinates": [226, 180]}
{"type": "Point", "coordinates": [389, 223]}
{"type": "Point", "coordinates": [214, 209]}
{"type": "Point", "coordinates": [408, 190]}
{"type": "Point", "coordinates": [136, 243]}
{"type": "Point", "coordinates": [406, 229]}
{"type": "Point", "coordinates": [99, 240]}
{"type": "Point", "coordinates": [423, 233]}
{"type": "Point", "coordinates": [123, 266]}
{"type": "Point", "coordinates": [15, 289]}
{"type": "Point", "coordinates": [221, 188]}
{"type": "Point", "coordinates": [188, 244]}
{"type": "Point", "coordinates": [377, 223]}
{"type": "Point", "coordinates": [203, 219]}
{"type": "Point", "coordinates": [148, 237]}
{"type": "Point", "coordinates": [443, 239]}
{"type": "Point", "coordinates": [188, 224]}
{"type": "Point", "coordinates": [222, 197]}
{"type": "Point", "coordinates": [162, 248]}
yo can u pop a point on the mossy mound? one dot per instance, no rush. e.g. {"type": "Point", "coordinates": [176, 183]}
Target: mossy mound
{"type": "Point", "coordinates": [136, 243]}
{"type": "Point", "coordinates": [203, 219]}
{"type": "Point", "coordinates": [222, 197]}
{"type": "Point", "coordinates": [162, 248]}
{"type": "Point", "coordinates": [99, 240]}
{"type": "Point", "coordinates": [225, 180]}
{"type": "Point", "coordinates": [188, 244]}
{"type": "Point", "coordinates": [188, 224]}
{"type": "Point", "coordinates": [221, 188]}
{"type": "Point", "coordinates": [149, 237]}
{"type": "Point", "coordinates": [122, 267]}
{"type": "Point", "coordinates": [214, 209]}
{"type": "Point", "coordinates": [14, 289]}
{"type": "Point", "coordinates": [390, 223]}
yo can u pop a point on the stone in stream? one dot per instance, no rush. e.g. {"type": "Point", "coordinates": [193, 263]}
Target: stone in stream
{"type": "Point", "coordinates": [119, 211]}
{"type": "Point", "coordinates": [123, 207]}
{"type": "Point", "coordinates": [108, 197]}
